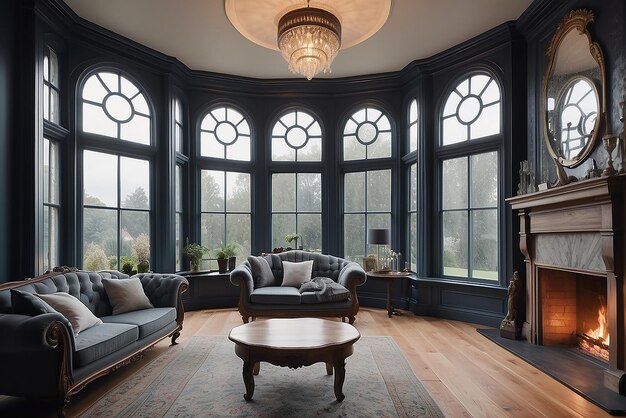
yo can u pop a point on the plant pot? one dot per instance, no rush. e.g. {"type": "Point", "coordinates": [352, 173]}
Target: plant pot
{"type": "Point", "coordinates": [231, 263]}
{"type": "Point", "coordinates": [222, 264]}
{"type": "Point", "coordinates": [194, 265]}
{"type": "Point", "coordinates": [143, 267]}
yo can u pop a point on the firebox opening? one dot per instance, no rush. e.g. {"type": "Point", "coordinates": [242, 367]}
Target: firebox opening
{"type": "Point", "coordinates": [574, 312]}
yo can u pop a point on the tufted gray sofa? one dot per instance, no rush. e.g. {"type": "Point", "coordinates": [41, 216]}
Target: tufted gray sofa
{"type": "Point", "coordinates": [41, 358]}
{"type": "Point", "coordinates": [347, 273]}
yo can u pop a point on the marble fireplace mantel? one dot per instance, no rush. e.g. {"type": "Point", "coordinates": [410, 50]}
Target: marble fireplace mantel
{"type": "Point", "coordinates": [578, 228]}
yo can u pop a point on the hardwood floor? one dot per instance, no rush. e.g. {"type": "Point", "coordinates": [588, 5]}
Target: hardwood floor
{"type": "Point", "coordinates": [468, 375]}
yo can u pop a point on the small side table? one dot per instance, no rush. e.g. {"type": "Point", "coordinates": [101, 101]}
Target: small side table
{"type": "Point", "coordinates": [388, 277]}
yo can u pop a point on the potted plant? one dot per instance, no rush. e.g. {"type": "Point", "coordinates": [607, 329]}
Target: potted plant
{"type": "Point", "coordinates": [225, 255]}
{"type": "Point", "coordinates": [289, 238]}
{"type": "Point", "coordinates": [141, 251]}
{"type": "Point", "coordinates": [194, 253]}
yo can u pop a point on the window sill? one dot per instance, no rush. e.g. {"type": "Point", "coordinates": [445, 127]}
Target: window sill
{"type": "Point", "coordinates": [438, 280]}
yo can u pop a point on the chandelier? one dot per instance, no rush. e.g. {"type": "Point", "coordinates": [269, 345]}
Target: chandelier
{"type": "Point", "coordinates": [309, 39]}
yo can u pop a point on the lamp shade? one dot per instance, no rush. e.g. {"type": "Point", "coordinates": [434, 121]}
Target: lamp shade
{"type": "Point", "coordinates": [378, 236]}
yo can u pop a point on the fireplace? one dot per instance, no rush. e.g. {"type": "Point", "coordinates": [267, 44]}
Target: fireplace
{"type": "Point", "coordinates": [572, 239]}
{"type": "Point", "coordinates": [573, 312]}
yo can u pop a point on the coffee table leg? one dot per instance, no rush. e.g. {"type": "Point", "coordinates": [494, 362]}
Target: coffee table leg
{"type": "Point", "coordinates": [329, 368]}
{"type": "Point", "coordinates": [340, 376]}
{"type": "Point", "coordinates": [248, 379]}
{"type": "Point", "coordinates": [257, 368]}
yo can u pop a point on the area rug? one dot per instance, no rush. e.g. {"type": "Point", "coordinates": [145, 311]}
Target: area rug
{"type": "Point", "coordinates": [203, 379]}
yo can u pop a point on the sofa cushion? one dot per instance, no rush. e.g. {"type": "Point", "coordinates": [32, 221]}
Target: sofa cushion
{"type": "Point", "coordinates": [261, 273]}
{"type": "Point", "coordinates": [295, 274]}
{"type": "Point", "coordinates": [73, 309]}
{"type": "Point", "coordinates": [126, 295]}
{"type": "Point", "coordinates": [101, 340]}
{"type": "Point", "coordinates": [276, 295]}
{"type": "Point", "coordinates": [330, 292]}
{"type": "Point", "coordinates": [25, 303]}
{"type": "Point", "coordinates": [149, 321]}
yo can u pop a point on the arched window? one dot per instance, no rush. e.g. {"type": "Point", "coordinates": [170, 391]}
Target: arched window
{"type": "Point", "coordinates": [225, 134]}
{"type": "Point", "coordinates": [367, 135]}
{"type": "Point", "coordinates": [117, 189]}
{"type": "Point", "coordinates": [225, 193]}
{"type": "Point", "coordinates": [367, 193]}
{"type": "Point", "coordinates": [297, 136]}
{"type": "Point", "coordinates": [114, 106]}
{"type": "Point", "coordinates": [297, 196]}
{"type": "Point", "coordinates": [472, 110]}
{"type": "Point", "coordinates": [469, 177]}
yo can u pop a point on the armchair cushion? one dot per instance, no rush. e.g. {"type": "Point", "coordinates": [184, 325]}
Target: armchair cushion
{"type": "Point", "coordinates": [126, 295]}
{"type": "Point", "coordinates": [261, 273]}
{"type": "Point", "coordinates": [296, 274]}
{"type": "Point", "coordinates": [25, 303]}
{"type": "Point", "coordinates": [73, 309]}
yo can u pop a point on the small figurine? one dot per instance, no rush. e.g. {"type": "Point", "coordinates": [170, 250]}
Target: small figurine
{"type": "Point", "coordinates": [510, 327]}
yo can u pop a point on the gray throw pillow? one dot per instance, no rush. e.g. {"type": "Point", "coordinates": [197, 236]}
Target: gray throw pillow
{"type": "Point", "coordinates": [126, 295]}
{"type": "Point", "coordinates": [73, 309]}
{"type": "Point", "coordinates": [25, 303]}
{"type": "Point", "coordinates": [295, 274]}
{"type": "Point", "coordinates": [261, 272]}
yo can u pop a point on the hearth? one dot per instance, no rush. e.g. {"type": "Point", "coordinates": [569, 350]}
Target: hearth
{"type": "Point", "coordinates": [572, 238]}
{"type": "Point", "coordinates": [573, 312]}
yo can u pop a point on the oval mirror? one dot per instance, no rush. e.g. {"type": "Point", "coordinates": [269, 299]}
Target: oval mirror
{"type": "Point", "coordinates": [573, 95]}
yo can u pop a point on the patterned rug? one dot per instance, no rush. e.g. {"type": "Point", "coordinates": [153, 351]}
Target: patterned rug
{"type": "Point", "coordinates": [203, 379]}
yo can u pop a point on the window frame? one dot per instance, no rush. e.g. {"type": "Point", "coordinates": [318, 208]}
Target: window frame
{"type": "Point", "coordinates": [297, 167]}
{"type": "Point", "coordinates": [89, 141]}
{"type": "Point", "coordinates": [367, 165]}
{"type": "Point", "coordinates": [481, 145]}
{"type": "Point", "coordinates": [224, 165]}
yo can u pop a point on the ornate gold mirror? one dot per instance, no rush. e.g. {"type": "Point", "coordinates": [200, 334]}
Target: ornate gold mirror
{"type": "Point", "coordinates": [573, 95]}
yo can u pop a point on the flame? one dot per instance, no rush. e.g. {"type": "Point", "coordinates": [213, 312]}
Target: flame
{"type": "Point", "coordinates": [601, 333]}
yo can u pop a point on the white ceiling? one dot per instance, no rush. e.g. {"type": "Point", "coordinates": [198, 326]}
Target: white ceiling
{"type": "Point", "coordinates": [199, 34]}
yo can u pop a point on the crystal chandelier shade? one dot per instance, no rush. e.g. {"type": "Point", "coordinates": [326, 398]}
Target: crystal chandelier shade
{"type": "Point", "coordinates": [309, 39]}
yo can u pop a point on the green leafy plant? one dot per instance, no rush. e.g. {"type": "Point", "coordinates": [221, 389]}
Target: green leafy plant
{"type": "Point", "coordinates": [289, 238]}
{"type": "Point", "coordinates": [127, 268]}
{"type": "Point", "coordinates": [194, 252]}
{"type": "Point", "coordinates": [226, 250]}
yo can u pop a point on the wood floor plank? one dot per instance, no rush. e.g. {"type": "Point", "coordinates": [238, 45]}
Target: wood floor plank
{"type": "Point", "coordinates": [465, 373]}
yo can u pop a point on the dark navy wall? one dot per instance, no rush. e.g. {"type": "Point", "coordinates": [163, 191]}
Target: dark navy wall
{"type": "Point", "coordinates": [8, 88]}
{"type": "Point", "coordinates": [537, 26]}
{"type": "Point", "coordinates": [515, 50]}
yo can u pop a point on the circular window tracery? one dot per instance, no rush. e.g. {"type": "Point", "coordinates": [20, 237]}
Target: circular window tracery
{"type": "Point", "coordinates": [225, 134]}
{"type": "Point", "coordinates": [114, 106]}
{"type": "Point", "coordinates": [472, 110]}
{"type": "Point", "coordinates": [367, 135]}
{"type": "Point", "coordinates": [118, 107]}
{"type": "Point", "coordinates": [297, 136]}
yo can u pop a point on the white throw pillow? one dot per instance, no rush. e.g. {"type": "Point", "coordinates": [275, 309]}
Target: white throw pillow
{"type": "Point", "coordinates": [126, 295]}
{"type": "Point", "coordinates": [295, 274]}
{"type": "Point", "coordinates": [73, 309]}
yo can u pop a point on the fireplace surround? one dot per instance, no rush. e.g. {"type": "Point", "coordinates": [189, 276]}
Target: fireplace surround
{"type": "Point", "coordinates": [572, 239]}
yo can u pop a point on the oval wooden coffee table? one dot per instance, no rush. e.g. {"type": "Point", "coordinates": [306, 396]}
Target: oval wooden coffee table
{"type": "Point", "coordinates": [294, 343]}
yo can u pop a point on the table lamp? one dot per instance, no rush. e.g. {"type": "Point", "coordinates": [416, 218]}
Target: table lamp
{"type": "Point", "coordinates": [378, 236]}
